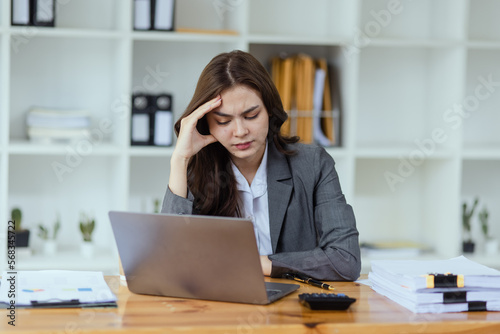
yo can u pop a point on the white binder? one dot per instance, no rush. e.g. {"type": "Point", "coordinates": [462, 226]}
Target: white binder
{"type": "Point", "coordinates": [20, 12]}
{"type": "Point", "coordinates": [164, 15]}
{"type": "Point", "coordinates": [142, 14]}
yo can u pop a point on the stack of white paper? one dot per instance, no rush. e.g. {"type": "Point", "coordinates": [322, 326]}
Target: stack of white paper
{"type": "Point", "coordinates": [55, 288]}
{"type": "Point", "coordinates": [410, 283]}
{"type": "Point", "coordinates": [57, 126]}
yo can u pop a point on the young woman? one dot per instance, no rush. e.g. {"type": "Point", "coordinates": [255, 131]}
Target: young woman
{"type": "Point", "coordinates": [230, 159]}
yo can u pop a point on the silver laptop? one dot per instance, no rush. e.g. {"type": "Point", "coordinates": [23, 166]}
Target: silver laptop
{"type": "Point", "coordinates": [188, 256]}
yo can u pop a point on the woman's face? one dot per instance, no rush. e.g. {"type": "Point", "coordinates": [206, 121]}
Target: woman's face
{"type": "Point", "coordinates": [241, 124]}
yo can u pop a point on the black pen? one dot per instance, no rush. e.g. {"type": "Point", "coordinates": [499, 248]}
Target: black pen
{"type": "Point", "coordinates": [310, 281]}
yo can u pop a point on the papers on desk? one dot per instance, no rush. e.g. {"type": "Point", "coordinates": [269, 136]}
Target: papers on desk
{"type": "Point", "coordinates": [454, 285]}
{"type": "Point", "coordinates": [55, 288]}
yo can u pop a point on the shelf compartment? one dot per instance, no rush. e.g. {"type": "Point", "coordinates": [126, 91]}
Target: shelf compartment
{"type": "Point", "coordinates": [83, 74]}
{"type": "Point", "coordinates": [178, 77]}
{"type": "Point", "coordinates": [67, 187]}
{"type": "Point", "coordinates": [92, 14]}
{"type": "Point", "coordinates": [331, 19]}
{"type": "Point", "coordinates": [148, 182]}
{"type": "Point", "coordinates": [481, 100]}
{"type": "Point", "coordinates": [412, 20]}
{"type": "Point", "coordinates": [482, 23]}
{"type": "Point", "coordinates": [486, 189]}
{"type": "Point", "coordinates": [408, 201]}
{"type": "Point", "coordinates": [404, 94]}
{"type": "Point", "coordinates": [338, 65]}
{"type": "Point", "coordinates": [217, 15]}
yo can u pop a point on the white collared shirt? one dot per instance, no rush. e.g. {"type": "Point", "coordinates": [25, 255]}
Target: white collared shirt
{"type": "Point", "coordinates": [255, 204]}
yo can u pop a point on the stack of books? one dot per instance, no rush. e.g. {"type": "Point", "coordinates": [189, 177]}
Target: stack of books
{"type": "Point", "coordinates": [305, 89]}
{"type": "Point", "coordinates": [57, 126]}
{"type": "Point", "coordinates": [437, 286]}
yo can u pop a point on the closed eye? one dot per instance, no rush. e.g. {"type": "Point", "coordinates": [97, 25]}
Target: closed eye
{"type": "Point", "coordinates": [252, 117]}
{"type": "Point", "coordinates": [222, 123]}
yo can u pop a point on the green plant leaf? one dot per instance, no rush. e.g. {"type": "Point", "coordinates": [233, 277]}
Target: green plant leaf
{"type": "Point", "coordinates": [43, 233]}
{"type": "Point", "coordinates": [17, 216]}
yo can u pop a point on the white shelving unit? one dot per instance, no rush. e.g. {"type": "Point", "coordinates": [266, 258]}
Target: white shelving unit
{"type": "Point", "coordinates": [408, 157]}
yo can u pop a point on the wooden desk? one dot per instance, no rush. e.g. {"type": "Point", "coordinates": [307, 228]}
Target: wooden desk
{"type": "Point", "coordinates": [371, 313]}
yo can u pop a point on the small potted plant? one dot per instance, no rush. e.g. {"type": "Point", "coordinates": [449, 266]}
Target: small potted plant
{"type": "Point", "coordinates": [468, 244]}
{"type": "Point", "coordinates": [87, 226]}
{"type": "Point", "coordinates": [490, 244]}
{"type": "Point", "coordinates": [22, 235]}
{"type": "Point", "coordinates": [50, 244]}
{"type": "Point", "coordinates": [156, 206]}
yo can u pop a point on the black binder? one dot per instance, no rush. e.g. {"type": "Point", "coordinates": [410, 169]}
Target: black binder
{"type": "Point", "coordinates": [44, 12]}
{"type": "Point", "coordinates": [162, 119]}
{"type": "Point", "coordinates": [142, 15]}
{"type": "Point", "coordinates": [39, 13]}
{"type": "Point", "coordinates": [151, 120]}
{"type": "Point", "coordinates": [141, 120]}
{"type": "Point", "coordinates": [20, 12]}
{"type": "Point", "coordinates": [154, 15]}
{"type": "Point", "coordinates": [163, 15]}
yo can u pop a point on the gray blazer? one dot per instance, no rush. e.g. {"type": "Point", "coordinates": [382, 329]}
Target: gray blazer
{"type": "Point", "coordinates": [313, 229]}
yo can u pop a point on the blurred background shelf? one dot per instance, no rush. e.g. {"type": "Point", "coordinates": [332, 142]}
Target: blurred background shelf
{"type": "Point", "coordinates": [69, 259]}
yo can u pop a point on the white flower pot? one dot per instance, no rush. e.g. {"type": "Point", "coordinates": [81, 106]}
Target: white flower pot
{"type": "Point", "coordinates": [87, 249]}
{"type": "Point", "coordinates": [49, 247]}
{"type": "Point", "coordinates": [491, 247]}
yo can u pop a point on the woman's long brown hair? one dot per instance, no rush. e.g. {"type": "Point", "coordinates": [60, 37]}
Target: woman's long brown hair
{"type": "Point", "coordinates": [210, 176]}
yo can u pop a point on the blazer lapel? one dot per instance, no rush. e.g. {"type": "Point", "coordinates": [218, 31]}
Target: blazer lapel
{"type": "Point", "coordinates": [279, 190]}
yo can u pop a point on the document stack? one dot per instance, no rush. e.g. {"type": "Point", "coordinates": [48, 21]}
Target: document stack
{"type": "Point", "coordinates": [50, 126]}
{"type": "Point", "coordinates": [304, 84]}
{"type": "Point", "coordinates": [55, 289]}
{"type": "Point", "coordinates": [438, 286]}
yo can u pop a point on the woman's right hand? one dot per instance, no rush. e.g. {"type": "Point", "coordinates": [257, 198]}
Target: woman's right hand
{"type": "Point", "coordinates": [190, 141]}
